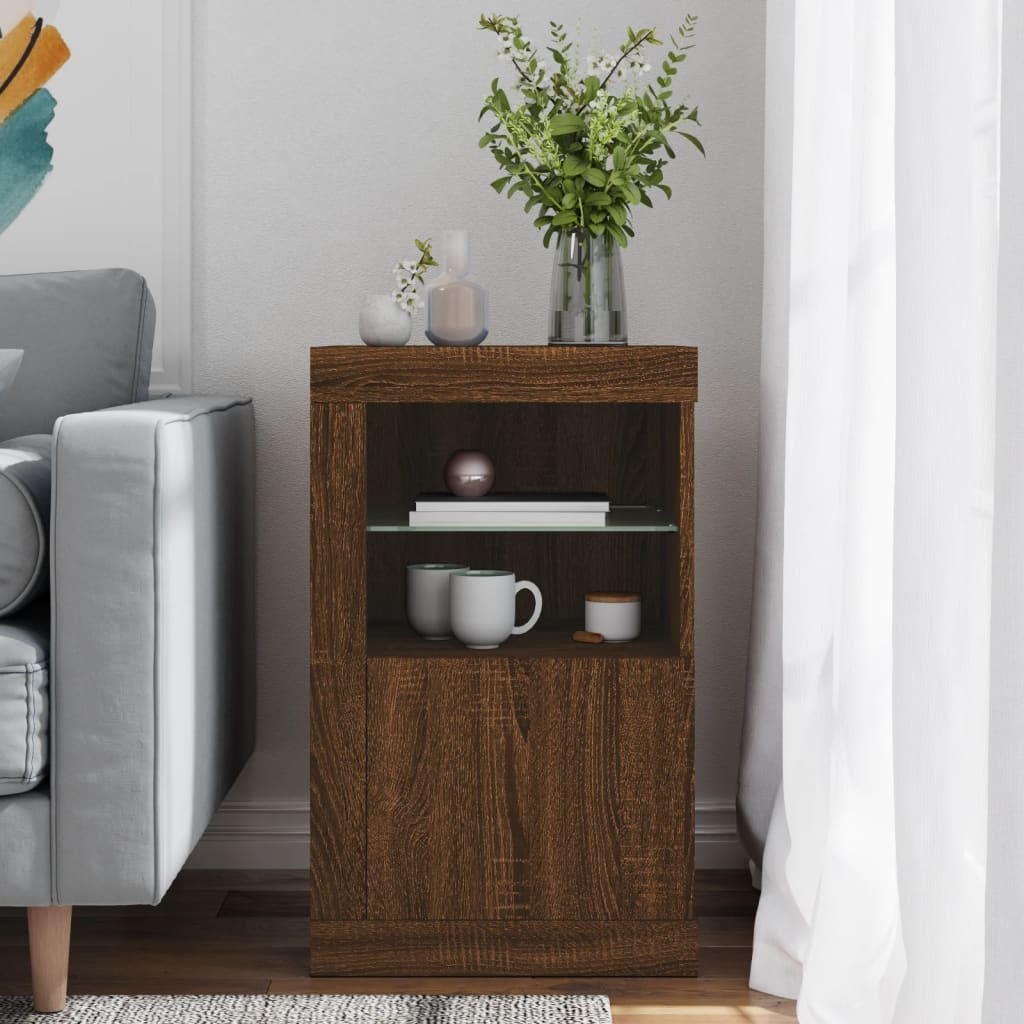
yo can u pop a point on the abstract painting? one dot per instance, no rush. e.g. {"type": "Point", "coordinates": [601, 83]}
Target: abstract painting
{"type": "Point", "coordinates": [30, 54]}
{"type": "Point", "coordinates": [95, 151]}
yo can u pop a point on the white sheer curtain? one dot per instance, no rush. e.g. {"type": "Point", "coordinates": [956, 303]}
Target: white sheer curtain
{"type": "Point", "coordinates": [889, 477]}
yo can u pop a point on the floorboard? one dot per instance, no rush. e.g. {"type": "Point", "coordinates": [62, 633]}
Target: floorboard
{"type": "Point", "coordinates": [247, 932]}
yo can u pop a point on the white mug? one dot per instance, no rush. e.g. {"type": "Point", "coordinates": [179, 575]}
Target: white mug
{"type": "Point", "coordinates": [426, 598]}
{"type": "Point", "coordinates": [483, 607]}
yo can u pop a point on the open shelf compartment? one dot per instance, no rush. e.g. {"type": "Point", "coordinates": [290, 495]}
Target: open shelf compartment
{"type": "Point", "coordinates": [629, 451]}
{"type": "Point", "coordinates": [565, 566]}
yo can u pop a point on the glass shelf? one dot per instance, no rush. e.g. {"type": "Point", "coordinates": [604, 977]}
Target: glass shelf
{"type": "Point", "coordinates": [621, 519]}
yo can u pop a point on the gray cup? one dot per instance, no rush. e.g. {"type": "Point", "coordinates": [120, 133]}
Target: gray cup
{"type": "Point", "coordinates": [426, 598]}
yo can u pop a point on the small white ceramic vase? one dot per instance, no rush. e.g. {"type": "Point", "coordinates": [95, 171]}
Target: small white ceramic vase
{"type": "Point", "coordinates": [381, 322]}
{"type": "Point", "coordinates": [616, 616]}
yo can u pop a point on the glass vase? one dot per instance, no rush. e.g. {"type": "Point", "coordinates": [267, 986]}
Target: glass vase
{"type": "Point", "coordinates": [588, 293]}
{"type": "Point", "coordinates": [456, 303]}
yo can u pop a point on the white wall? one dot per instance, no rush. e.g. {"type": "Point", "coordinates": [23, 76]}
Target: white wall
{"type": "Point", "coordinates": [327, 136]}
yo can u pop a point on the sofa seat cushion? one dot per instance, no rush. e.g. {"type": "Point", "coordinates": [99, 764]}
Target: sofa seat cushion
{"type": "Point", "coordinates": [24, 520]}
{"type": "Point", "coordinates": [24, 699]}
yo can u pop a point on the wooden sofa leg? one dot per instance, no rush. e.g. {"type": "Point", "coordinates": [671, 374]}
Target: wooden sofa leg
{"type": "Point", "coordinates": [49, 942]}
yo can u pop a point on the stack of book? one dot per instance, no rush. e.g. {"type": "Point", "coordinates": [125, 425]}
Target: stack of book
{"type": "Point", "coordinates": [515, 510]}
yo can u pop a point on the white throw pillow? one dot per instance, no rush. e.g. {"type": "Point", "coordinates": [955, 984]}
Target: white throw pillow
{"type": "Point", "coordinates": [10, 360]}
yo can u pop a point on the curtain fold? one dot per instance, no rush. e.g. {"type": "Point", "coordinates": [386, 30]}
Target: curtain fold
{"type": "Point", "coordinates": [863, 794]}
{"type": "Point", "coordinates": [1004, 926]}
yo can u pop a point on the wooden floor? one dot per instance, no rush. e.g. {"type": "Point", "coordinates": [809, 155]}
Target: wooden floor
{"type": "Point", "coordinates": [246, 931]}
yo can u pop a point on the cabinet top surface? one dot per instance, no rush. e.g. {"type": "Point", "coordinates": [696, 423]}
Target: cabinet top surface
{"type": "Point", "coordinates": [504, 373]}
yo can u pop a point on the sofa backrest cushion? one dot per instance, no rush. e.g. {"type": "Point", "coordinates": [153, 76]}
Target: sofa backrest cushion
{"type": "Point", "coordinates": [88, 341]}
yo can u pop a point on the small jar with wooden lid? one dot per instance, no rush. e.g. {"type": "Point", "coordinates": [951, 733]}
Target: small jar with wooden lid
{"type": "Point", "coordinates": [615, 615]}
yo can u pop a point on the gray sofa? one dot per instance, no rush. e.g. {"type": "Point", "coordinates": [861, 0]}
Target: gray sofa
{"type": "Point", "coordinates": [126, 609]}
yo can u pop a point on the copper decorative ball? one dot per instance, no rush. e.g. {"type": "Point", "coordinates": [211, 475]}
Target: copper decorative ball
{"type": "Point", "coordinates": [469, 474]}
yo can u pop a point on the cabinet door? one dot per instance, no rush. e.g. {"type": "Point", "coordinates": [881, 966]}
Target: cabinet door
{"type": "Point", "coordinates": [544, 789]}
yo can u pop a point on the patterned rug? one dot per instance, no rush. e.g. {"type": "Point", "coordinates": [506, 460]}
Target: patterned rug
{"type": "Point", "coordinates": [316, 1010]}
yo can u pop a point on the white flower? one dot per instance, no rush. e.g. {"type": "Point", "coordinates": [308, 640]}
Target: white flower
{"type": "Point", "coordinates": [397, 297]}
{"type": "Point", "coordinates": [409, 265]}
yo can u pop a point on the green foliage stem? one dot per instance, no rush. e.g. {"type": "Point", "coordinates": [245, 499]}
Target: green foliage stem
{"type": "Point", "coordinates": [581, 155]}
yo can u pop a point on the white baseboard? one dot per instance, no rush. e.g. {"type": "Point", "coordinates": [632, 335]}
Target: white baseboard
{"type": "Point", "coordinates": [266, 834]}
{"type": "Point", "coordinates": [718, 845]}
{"type": "Point", "coordinates": [255, 834]}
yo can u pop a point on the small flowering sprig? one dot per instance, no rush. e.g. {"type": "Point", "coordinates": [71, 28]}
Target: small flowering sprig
{"type": "Point", "coordinates": [409, 277]}
{"type": "Point", "coordinates": [589, 139]}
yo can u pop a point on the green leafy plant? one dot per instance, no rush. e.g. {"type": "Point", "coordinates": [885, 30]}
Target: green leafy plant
{"type": "Point", "coordinates": [587, 139]}
{"type": "Point", "coordinates": [409, 277]}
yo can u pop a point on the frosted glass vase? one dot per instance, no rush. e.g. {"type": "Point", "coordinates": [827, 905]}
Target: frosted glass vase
{"type": "Point", "coordinates": [588, 291]}
{"type": "Point", "coordinates": [456, 304]}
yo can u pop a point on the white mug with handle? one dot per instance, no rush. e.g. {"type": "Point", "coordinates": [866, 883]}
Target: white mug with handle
{"type": "Point", "coordinates": [483, 607]}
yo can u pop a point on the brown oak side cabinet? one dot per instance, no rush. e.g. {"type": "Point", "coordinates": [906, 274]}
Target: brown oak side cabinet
{"type": "Point", "coordinates": [526, 810]}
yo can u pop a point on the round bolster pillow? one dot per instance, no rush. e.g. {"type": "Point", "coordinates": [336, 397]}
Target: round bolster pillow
{"type": "Point", "coordinates": [24, 520]}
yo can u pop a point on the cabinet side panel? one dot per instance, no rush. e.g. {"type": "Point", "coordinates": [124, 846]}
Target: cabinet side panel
{"type": "Point", "coordinates": [337, 666]}
{"type": "Point", "coordinates": [337, 792]}
{"type": "Point", "coordinates": [685, 538]}
{"type": "Point", "coordinates": [686, 532]}
{"type": "Point", "coordinates": [611, 762]}
{"type": "Point", "coordinates": [337, 514]}
{"type": "Point", "coordinates": [679, 470]}
{"type": "Point", "coordinates": [447, 771]}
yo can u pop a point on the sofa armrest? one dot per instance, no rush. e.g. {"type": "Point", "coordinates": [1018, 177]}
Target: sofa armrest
{"type": "Point", "coordinates": [152, 653]}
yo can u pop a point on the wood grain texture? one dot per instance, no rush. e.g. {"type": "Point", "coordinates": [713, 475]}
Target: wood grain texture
{"type": "Point", "coordinates": [337, 651]}
{"type": "Point", "coordinates": [550, 640]}
{"type": "Point", "coordinates": [447, 785]}
{"type": "Point", "coordinates": [685, 538]}
{"type": "Point", "coordinates": [611, 759]}
{"type": "Point", "coordinates": [495, 373]}
{"type": "Point", "coordinates": [497, 948]}
{"type": "Point", "coordinates": [337, 514]}
{"type": "Point", "coordinates": [49, 939]}
{"type": "Point", "coordinates": [337, 790]}
{"type": "Point", "coordinates": [261, 903]}
{"type": "Point", "coordinates": [554, 789]}
{"type": "Point", "coordinates": [528, 810]}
